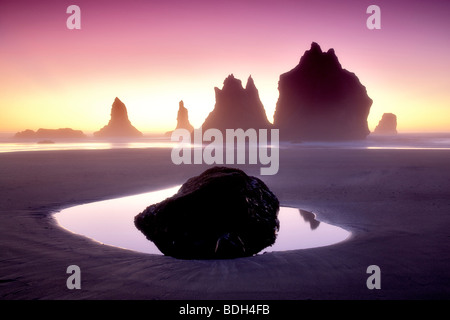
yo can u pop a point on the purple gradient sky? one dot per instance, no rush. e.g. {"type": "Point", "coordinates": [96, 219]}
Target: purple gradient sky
{"type": "Point", "coordinates": [151, 54]}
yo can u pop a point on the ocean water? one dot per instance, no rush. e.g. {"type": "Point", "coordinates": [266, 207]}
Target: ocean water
{"type": "Point", "coordinates": [18, 145]}
{"type": "Point", "coordinates": [111, 222]}
{"type": "Point", "coordinates": [400, 141]}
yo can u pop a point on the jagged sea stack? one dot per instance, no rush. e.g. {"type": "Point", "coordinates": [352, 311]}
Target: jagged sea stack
{"type": "Point", "coordinates": [119, 125]}
{"type": "Point", "coordinates": [237, 107]}
{"type": "Point", "coordinates": [319, 100]}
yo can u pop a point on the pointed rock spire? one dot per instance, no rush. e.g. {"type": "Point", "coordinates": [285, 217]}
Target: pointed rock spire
{"type": "Point", "coordinates": [183, 118]}
{"type": "Point", "coordinates": [119, 112]}
{"type": "Point", "coordinates": [119, 125]}
{"type": "Point", "coordinates": [237, 107]}
{"type": "Point", "coordinates": [250, 84]}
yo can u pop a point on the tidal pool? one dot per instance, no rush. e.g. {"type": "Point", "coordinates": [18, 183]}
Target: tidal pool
{"type": "Point", "coordinates": [111, 222]}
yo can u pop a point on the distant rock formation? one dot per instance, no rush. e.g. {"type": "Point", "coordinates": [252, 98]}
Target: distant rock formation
{"type": "Point", "coordinates": [319, 100]}
{"type": "Point", "coordinates": [220, 214]}
{"type": "Point", "coordinates": [387, 124]}
{"type": "Point", "coordinates": [182, 119]}
{"type": "Point", "coordinates": [237, 107]}
{"type": "Point", "coordinates": [63, 133]}
{"type": "Point", "coordinates": [119, 125]}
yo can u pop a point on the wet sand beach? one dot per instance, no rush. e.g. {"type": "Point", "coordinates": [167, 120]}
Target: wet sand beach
{"type": "Point", "coordinates": [396, 203]}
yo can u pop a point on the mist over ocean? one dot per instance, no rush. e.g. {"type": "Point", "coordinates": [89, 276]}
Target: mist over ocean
{"type": "Point", "coordinates": [373, 141]}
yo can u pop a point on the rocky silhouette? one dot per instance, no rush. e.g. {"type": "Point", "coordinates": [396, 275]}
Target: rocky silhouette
{"type": "Point", "coordinates": [319, 100]}
{"type": "Point", "coordinates": [387, 124]}
{"type": "Point", "coordinates": [182, 119]}
{"type": "Point", "coordinates": [237, 107]}
{"type": "Point", "coordinates": [119, 125]}
{"type": "Point", "coordinates": [220, 214]}
{"type": "Point", "coordinates": [63, 133]}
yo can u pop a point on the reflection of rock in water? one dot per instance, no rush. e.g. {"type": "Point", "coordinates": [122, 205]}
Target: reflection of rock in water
{"type": "Point", "coordinates": [222, 213]}
{"type": "Point", "coordinates": [310, 218]}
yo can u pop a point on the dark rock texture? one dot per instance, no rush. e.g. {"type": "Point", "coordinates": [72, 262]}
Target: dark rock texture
{"type": "Point", "coordinates": [119, 125]}
{"type": "Point", "coordinates": [220, 214]}
{"type": "Point", "coordinates": [237, 107]}
{"type": "Point", "coordinates": [387, 124]}
{"type": "Point", "coordinates": [63, 133]}
{"type": "Point", "coordinates": [319, 100]}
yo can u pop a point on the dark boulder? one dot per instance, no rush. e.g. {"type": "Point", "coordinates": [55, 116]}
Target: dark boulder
{"type": "Point", "coordinates": [319, 100]}
{"type": "Point", "coordinates": [220, 214]}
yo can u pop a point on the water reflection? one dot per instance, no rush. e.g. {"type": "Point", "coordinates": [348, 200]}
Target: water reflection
{"type": "Point", "coordinates": [425, 141]}
{"type": "Point", "coordinates": [111, 222]}
{"type": "Point", "coordinates": [54, 145]}
{"type": "Point", "coordinates": [310, 218]}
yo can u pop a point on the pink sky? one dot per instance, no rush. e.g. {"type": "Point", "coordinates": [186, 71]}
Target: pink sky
{"type": "Point", "coordinates": [151, 54]}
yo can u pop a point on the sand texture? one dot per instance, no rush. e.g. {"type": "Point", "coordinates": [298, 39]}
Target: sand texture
{"type": "Point", "coordinates": [396, 203]}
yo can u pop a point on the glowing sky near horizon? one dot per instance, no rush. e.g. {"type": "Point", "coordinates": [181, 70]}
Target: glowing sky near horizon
{"type": "Point", "coordinates": [152, 54]}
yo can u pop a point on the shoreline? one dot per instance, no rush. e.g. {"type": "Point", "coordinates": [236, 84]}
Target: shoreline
{"type": "Point", "coordinates": [400, 141]}
{"type": "Point", "coordinates": [405, 233]}
{"type": "Point", "coordinates": [88, 219]}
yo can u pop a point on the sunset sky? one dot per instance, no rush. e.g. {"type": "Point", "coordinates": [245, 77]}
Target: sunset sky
{"type": "Point", "coordinates": [152, 54]}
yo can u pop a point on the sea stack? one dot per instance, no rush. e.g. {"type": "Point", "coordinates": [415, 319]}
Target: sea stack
{"type": "Point", "coordinates": [387, 124]}
{"type": "Point", "coordinates": [182, 119]}
{"type": "Point", "coordinates": [237, 107]}
{"type": "Point", "coordinates": [62, 133]}
{"type": "Point", "coordinates": [319, 100]}
{"type": "Point", "coordinates": [119, 125]}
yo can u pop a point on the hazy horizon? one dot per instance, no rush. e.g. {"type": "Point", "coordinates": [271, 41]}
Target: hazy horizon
{"type": "Point", "coordinates": [4, 134]}
{"type": "Point", "coordinates": [152, 55]}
